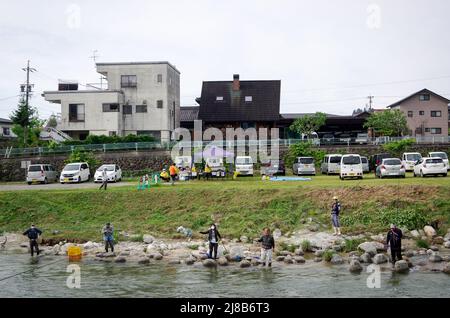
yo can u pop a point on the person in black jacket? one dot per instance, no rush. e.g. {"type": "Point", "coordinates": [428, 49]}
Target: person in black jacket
{"type": "Point", "coordinates": [394, 240]}
{"type": "Point", "coordinates": [213, 238]}
{"type": "Point", "coordinates": [33, 234]}
{"type": "Point", "coordinates": [267, 247]}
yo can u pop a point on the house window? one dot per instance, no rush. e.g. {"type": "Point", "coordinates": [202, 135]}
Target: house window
{"type": "Point", "coordinates": [219, 98]}
{"type": "Point", "coordinates": [424, 97]}
{"type": "Point", "coordinates": [410, 113]}
{"type": "Point", "coordinates": [111, 108]}
{"type": "Point", "coordinates": [436, 113]}
{"type": "Point", "coordinates": [159, 78]}
{"type": "Point", "coordinates": [76, 112]}
{"type": "Point", "coordinates": [436, 131]}
{"type": "Point", "coordinates": [112, 133]}
{"type": "Point", "coordinates": [427, 130]}
{"type": "Point", "coordinates": [141, 108]}
{"type": "Point", "coordinates": [159, 104]}
{"type": "Point", "coordinates": [6, 131]}
{"type": "Point", "coordinates": [127, 109]}
{"type": "Point", "coordinates": [248, 99]}
{"type": "Point", "coordinates": [421, 113]}
{"type": "Point", "coordinates": [128, 81]}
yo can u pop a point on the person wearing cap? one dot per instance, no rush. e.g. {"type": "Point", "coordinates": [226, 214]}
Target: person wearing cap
{"type": "Point", "coordinates": [33, 235]}
{"type": "Point", "coordinates": [335, 210]}
{"type": "Point", "coordinates": [108, 237]}
{"type": "Point", "coordinates": [164, 175]}
{"type": "Point", "coordinates": [394, 241]}
{"type": "Point", "coordinates": [104, 179]}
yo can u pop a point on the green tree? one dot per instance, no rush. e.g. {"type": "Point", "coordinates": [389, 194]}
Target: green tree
{"type": "Point", "coordinates": [52, 122]}
{"type": "Point", "coordinates": [83, 156]}
{"type": "Point", "coordinates": [388, 123]}
{"type": "Point", "coordinates": [308, 123]}
{"type": "Point", "coordinates": [27, 125]}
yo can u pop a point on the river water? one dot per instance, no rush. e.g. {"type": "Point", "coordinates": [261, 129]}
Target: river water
{"type": "Point", "coordinates": [47, 277]}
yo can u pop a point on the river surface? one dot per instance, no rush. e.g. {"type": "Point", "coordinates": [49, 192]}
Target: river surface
{"type": "Point", "coordinates": [47, 276]}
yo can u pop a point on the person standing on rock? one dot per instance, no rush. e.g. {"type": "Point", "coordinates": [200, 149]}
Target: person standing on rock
{"type": "Point", "coordinates": [33, 234]}
{"type": "Point", "coordinates": [335, 210]}
{"type": "Point", "coordinates": [213, 238]}
{"type": "Point", "coordinates": [104, 179]}
{"type": "Point", "coordinates": [394, 241]}
{"type": "Point", "coordinates": [267, 248]}
{"type": "Point", "coordinates": [108, 236]}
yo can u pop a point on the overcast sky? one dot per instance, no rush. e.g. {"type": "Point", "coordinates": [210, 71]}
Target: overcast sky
{"type": "Point", "coordinates": [329, 55]}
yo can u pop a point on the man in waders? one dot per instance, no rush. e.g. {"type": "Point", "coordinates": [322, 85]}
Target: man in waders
{"type": "Point", "coordinates": [108, 237]}
{"type": "Point", "coordinates": [335, 210]}
{"type": "Point", "coordinates": [33, 234]}
{"type": "Point", "coordinates": [394, 241]}
{"type": "Point", "coordinates": [267, 248]}
{"type": "Point", "coordinates": [104, 179]}
{"type": "Point", "coordinates": [213, 238]}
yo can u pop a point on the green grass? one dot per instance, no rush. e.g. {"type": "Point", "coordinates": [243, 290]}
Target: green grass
{"type": "Point", "coordinates": [352, 245]}
{"type": "Point", "coordinates": [241, 207]}
{"type": "Point", "coordinates": [328, 255]}
{"type": "Point", "coordinates": [306, 246]}
{"type": "Point", "coordinates": [422, 244]}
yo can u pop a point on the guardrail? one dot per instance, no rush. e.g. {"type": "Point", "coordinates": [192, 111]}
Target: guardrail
{"type": "Point", "coordinates": [140, 146]}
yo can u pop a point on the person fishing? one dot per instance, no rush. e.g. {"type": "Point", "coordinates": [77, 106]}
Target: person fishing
{"type": "Point", "coordinates": [394, 241]}
{"type": "Point", "coordinates": [267, 247]}
{"type": "Point", "coordinates": [335, 210]}
{"type": "Point", "coordinates": [213, 238]}
{"type": "Point", "coordinates": [33, 234]}
{"type": "Point", "coordinates": [104, 179]}
{"type": "Point", "coordinates": [108, 236]}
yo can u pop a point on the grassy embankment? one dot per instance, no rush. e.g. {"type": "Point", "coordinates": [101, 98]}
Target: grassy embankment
{"type": "Point", "coordinates": [241, 207]}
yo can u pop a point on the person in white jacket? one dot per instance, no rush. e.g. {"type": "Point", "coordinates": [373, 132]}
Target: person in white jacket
{"type": "Point", "coordinates": [105, 179]}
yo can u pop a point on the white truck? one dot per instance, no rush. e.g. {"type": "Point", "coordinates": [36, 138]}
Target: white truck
{"type": "Point", "coordinates": [244, 165]}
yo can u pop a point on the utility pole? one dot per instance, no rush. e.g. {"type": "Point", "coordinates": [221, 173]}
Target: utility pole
{"type": "Point", "coordinates": [28, 69]}
{"type": "Point", "coordinates": [370, 101]}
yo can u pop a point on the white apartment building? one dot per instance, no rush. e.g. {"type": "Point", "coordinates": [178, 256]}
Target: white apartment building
{"type": "Point", "coordinates": [141, 98]}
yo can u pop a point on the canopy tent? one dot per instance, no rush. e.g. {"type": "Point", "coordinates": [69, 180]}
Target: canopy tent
{"type": "Point", "coordinates": [212, 152]}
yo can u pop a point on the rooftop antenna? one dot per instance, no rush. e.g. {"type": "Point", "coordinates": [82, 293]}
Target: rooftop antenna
{"type": "Point", "coordinates": [94, 56]}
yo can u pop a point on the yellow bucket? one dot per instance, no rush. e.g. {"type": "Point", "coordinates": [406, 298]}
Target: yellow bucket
{"type": "Point", "coordinates": [75, 253]}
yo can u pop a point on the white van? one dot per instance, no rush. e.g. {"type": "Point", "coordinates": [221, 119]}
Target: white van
{"type": "Point", "coordinates": [183, 162]}
{"type": "Point", "coordinates": [244, 165]}
{"type": "Point", "coordinates": [304, 165]}
{"type": "Point", "coordinates": [75, 172]}
{"type": "Point", "coordinates": [442, 155]}
{"type": "Point", "coordinates": [409, 160]}
{"type": "Point", "coordinates": [351, 167]}
{"type": "Point", "coordinates": [41, 173]}
{"type": "Point", "coordinates": [331, 164]}
{"type": "Point", "coordinates": [216, 164]}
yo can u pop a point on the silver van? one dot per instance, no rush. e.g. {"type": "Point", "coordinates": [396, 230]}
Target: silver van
{"type": "Point", "coordinates": [42, 173]}
{"type": "Point", "coordinates": [331, 164]}
{"type": "Point", "coordinates": [304, 166]}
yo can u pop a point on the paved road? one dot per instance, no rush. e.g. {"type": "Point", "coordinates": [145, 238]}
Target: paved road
{"type": "Point", "coordinates": [58, 186]}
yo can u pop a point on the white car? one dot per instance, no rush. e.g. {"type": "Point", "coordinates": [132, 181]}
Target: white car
{"type": "Point", "coordinates": [244, 165]}
{"type": "Point", "coordinates": [304, 165]}
{"type": "Point", "coordinates": [430, 166]}
{"type": "Point", "coordinates": [113, 172]}
{"type": "Point", "coordinates": [351, 167]}
{"type": "Point", "coordinates": [441, 155]}
{"type": "Point", "coordinates": [331, 164]}
{"type": "Point", "coordinates": [365, 164]}
{"type": "Point", "coordinates": [43, 173]}
{"type": "Point", "coordinates": [409, 159]}
{"type": "Point", "coordinates": [75, 173]}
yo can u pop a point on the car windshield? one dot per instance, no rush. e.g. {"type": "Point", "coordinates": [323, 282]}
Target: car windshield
{"type": "Point", "coordinates": [34, 168]}
{"type": "Point", "coordinates": [214, 161]}
{"type": "Point", "coordinates": [71, 167]}
{"type": "Point", "coordinates": [441, 155]}
{"type": "Point", "coordinates": [351, 160]}
{"type": "Point", "coordinates": [335, 159]}
{"type": "Point", "coordinates": [306, 161]}
{"type": "Point", "coordinates": [108, 168]}
{"type": "Point", "coordinates": [413, 157]}
{"type": "Point", "coordinates": [434, 160]}
{"type": "Point", "coordinates": [392, 162]}
{"type": "Point", "coordinates": [363, 160]}
{"type": "Point", "coordinates": [363, 135]}
{"type": "Point", "coordinates": [244, 161]}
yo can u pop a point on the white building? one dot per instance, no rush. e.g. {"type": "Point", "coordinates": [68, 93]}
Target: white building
{"type": "Point", "coordinates": [141, 98]}
{"type": "Point", "coordinates": [6, 128]}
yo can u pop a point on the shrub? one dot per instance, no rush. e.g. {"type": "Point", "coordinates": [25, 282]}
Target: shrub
{"type": "Point", "coordinates": [303, 149]}
{"type": "Point", "coordinates": [328, 255]}
{"type": "Point", "coordinates": [398, 147]}
{"type": "Point", "coordinates": [287, 247]}
{"type": "Point", "coordinates": [103, 139]}
{"type": "Point", "coordinates": [306, 246]}
{"type": "Point", "coordinates": [422, 244]}
{"type": "Point", "coordinates": [137, 238]}
{"type": "Point", "coordinates": [83, 156]}
{"type": "Point", "coordinates": [352, 245]}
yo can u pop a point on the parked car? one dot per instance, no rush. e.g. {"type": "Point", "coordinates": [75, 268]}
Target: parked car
{"type": "Point", "coordinates": [362, 139]}
{"type": "Point", "coordinates": [328, 139]}
{"type": "Point", "coordinates": [430, 166]}
{"type": "Point", "coordinates": [113, 172]}
{"type": "Point", "coordinates": [351, 167]}
{"type": "Point", "coordinates": [43, 173]}
{"type": "Point", "coordinates": [441, 155]}
{"type": "Point", "coordinates": [345, 139]}
{"type": "Point", "coordinates": [244, 165]}
{"type": "Point", "coordinates": [365, 164]}
{"type": "Point", "coordinates": [390, 167]}
{"type": "Point", "coordinates": [216, 165]}
{"type": "Point", "coordinates": [331, 164]}
{"type": "Point", "coordinates": [376, 160]}
{"type": "Point", "coordinates": [274, 167]}
{"type": "Point", "coordinates": [304, 166]}
{"type": "Point", "coordinates": [409, 159]}
{"type": "Point", "coordinates": [75, 172]}
{"type": "Point", "coordinates": [183, 162]}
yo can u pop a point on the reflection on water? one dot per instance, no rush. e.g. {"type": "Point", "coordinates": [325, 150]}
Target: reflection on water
{"type": "Point", "coordinates": [47, 277]}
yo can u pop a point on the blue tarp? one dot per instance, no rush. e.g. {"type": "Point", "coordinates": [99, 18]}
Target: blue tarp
{"type": "Point", "coordinates": [290, 179]}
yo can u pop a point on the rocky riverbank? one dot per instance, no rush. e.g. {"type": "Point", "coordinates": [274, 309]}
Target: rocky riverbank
{"type": "Point", "coordinates": [295, 249]}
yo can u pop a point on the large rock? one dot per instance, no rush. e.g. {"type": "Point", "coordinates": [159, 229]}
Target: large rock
{"type": "Point", "coordinates": [337, 260]}
{"type": "Point", "coordinates": [120, 259]}
{"type": "Point", "coordinates": [280, 258]}
{"type": "Point", "coordinates": [157, 256]}
{"type": "Point", "coordinates": [277, 234]}
{"type": "Point", "coordinates": [355, 266]}
{"type": "Point", "coordinates": [435, 258]}
{"type": "Point", "coordinates": [143, 261]}
{"type": "Point", "coordinates": [371, 247]}
{"type": "Point", "coordinates": [88, 245]}
{"type": "Point", "coordinates": [222, 261]}
{"type": "Point", "coordinates": [174, 261]}
{"type": "Point", "coordinates": [243, 239]}
{"type": "Point", "coordinates": [237, 252]}
{"type": "Point", "coordinates": [318, 253]}
{"type": "Point", "coordinates": [299, 252]}
{"type": "Point", "coordinates": [415, 234]}
{"type": "Point", "coordinates": [148, 239]}
{"type": "Point", "coordinates": [209, 263]}
{"type": "Point", "coordinates": [299, 260]}
{"type": "Point", "coordinates": [438, 240]}
{"type": "Point", "coordinates": [447, 244]}
{"type": "Point", "coordinates": [380, 259]}
{"type": "Point", "coordinates": [190, 260]}
{"type": "Point", "coordinates": [244, 264]}
{"type": "Point", "coordinates": [284, 253]}
{"type": "Point", "coordinates": [434, 248]}
{"type": "Point", "coordinates": [317, 259]}
{"type": "Point", "coordinates": [446, 268]}
{"type": "Point", "coordinates": [288, 260]}
{"type": "Point", "coordinates": [401, 266]}
{"type": "Point", "coordinates": [429, 231]}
